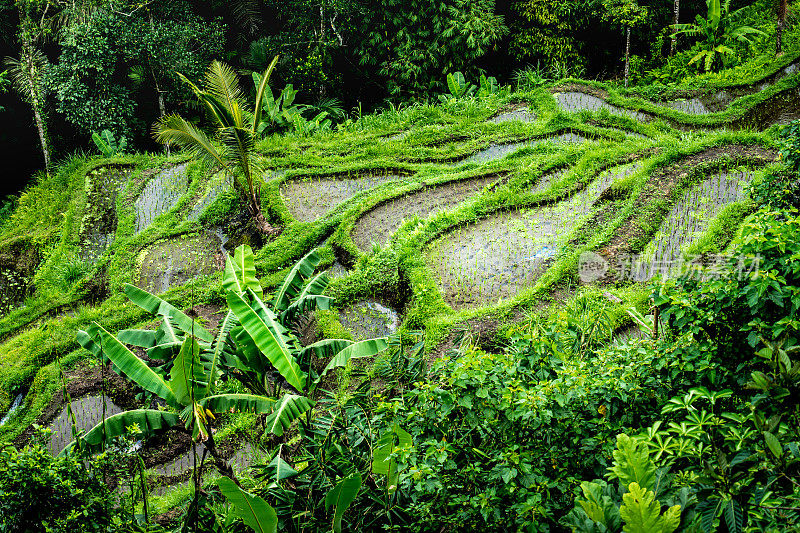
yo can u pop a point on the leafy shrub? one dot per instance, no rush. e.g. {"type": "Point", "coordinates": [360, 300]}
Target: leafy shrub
{"type": "Point", "coordinates": [501, 438]}
{"type": "Point", "coordinates": [39, 492]}
{"type": "Point", "coordinates": [530, 78]}
{"type": "Point", "coordinates": [781, 190]}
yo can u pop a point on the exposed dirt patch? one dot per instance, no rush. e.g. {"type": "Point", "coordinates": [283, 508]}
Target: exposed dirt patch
{"type": "Point", "coordinates": [380, 223]}
{"type": "Point", "coordinates": [661, 183]}
{"type": "Point", "coordinates": [308, 199]}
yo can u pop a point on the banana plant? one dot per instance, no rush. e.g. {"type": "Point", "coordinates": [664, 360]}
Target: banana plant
{"type": "Point", "coordinates": [263, 341]}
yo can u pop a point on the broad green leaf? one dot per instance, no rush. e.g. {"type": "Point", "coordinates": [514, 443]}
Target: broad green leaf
{"type": "Point", "coordinates": [286, 410]}
{"type": "Point", "coordinates": [261, 89]}
{"type": "Point", "coordinates": [240, 272]}
{"type": "Point", "coordinates": [260, 329]}
{"type": "Point", "coordinates": [642, 513]}
{"type": "Point", "coordinates": [228, 323]}
{"type": "Point", "coordinates": [358, 350]}
{"type": "Point", "coordinates": [143, 338]}
{"type": "Point", "coordinates": [324, 349]}
{"type": "Point", "coordinates": [254, 511]}
{"type": "Point", "coordinates": [282, 468]}
{"type": "Point", "coordinates": [632, 463]}
{"type": "Point", "coordinates": [382, 461]}
{"type": "Point", "coordinates": [293, 284]}
{"type": "Point", "coordinates": [599, 506]}
{"type": "Point", "coordinates": [187, 378]}
{"type": "Point", "coordinates": [773, 444]}
{"type": "Point", "coordinates": [243, 403]}
{"type": "Point", "coordinates": [340, 497]}
{"type": "Point", "coordinates": [134, 368]}
{"type": "Point", "coordinates": [156, 306]}
{"type": "Point", "coordinates": [147, 420]}
{"type": "Point", "coordinates": [310, 298]}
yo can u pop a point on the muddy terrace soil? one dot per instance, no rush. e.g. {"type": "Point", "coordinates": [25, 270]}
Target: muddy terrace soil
{"type": "Point", "coordinates": [369, 319]}
{"type": "Point", "coordinates": [380, 223]}
{"type": "Point", "coordinates": [575, 102]}
{"type": "Point", "coordinates": [499, 151]}
{"type": "Point", "coordinates": [661, 183]}
{"type": "Point", "coordinates": [170, 263]}
{"type": "Point", "coordinates": [308, 199]}
{"type": "Point", "coordinates": [690, 216]}
{"type": "Point", "coordinates": [502, 254]}
{"type": "Point", "coordinates": [161, 194]}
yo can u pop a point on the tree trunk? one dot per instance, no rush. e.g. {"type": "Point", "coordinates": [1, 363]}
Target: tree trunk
{"type": "Point", "coordinates": [782, 6]}
{"type": "Point", "coordinates": [673, 45]}
{"type": "Point", "coordinates": [627, 53]}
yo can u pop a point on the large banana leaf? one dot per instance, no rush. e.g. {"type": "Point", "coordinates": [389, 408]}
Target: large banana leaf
{"type": "Point", "coordinates": [261, 88]}
{"type": "Point", "coordinates": [382, 461]}
{"type": "Point", "coordinates": [240, 272]}
{"type": "Point", "coordinates": [143, 338]}
{"type": "Point", "coordinates": [310, 298]}
{"type": "Point", "coordinates": [254, 511]}
{"type": "Point", "coordinates": [287, 340]}
{"type": "Point", "coordinates": [133, 367]}
{"type": "Point", "coordinates": [156, 306]}
{"type": "Point", "coordinates": [294, 281]}
{"type": "Point", "coordinates": [367, 348]}
{"type": "Point", "coordinates": [324, 349]}
{"type": "Point", "coordinates": [288, 409]}
{"type": "Point", "coordinates": [148, 421]}
{"type": "Point", "coordinates": [341, 496]}
{"type": "Point", "coordinates": [187, 379]}
{"type": "Point", "coordinates": [239, 403]}
{"type": "Point", "coordinates": [218, 348]}
{"type": "Point", "coordinates": [261, 328]}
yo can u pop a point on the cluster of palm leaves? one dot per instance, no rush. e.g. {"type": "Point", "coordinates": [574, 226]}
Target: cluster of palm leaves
{"type": "Point", "coordinates": [717, 34]}
{"type": "Point", "coordinates": [255, 344]}
{"type": "Point", "coordinates": [236, 131]}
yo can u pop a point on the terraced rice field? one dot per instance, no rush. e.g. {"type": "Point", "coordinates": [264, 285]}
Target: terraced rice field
{"type": "Point", "coordinates": [308, 199]}
{"type": "Point", "coordinates": [504, 253]}
{"type": "Point", "coordinates": [380, 223]}
{"type": "Point", "coordinates": [160, 195]}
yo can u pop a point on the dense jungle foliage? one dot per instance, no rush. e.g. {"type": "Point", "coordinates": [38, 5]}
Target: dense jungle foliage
{"type": "Point", "coordinates": [328, 266]}
{"type": "Point", "coordinates": [79, 68]}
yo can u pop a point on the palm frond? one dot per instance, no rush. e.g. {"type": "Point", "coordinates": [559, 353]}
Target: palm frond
{"type": "Point", "coordinates": [26, 72]}
{"type": "Point", "coordinates": [222, 83]}
{"type": "Point", "coordinates": [175, 130]}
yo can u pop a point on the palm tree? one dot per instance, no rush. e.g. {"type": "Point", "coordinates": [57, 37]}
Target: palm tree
{"type": "Point", "coordinates": [782, 8]}
{"type": "Point", "coordinates": [236, 132]}
{"type": "Point", "coordinates": [26, 77]}
{"type": "Point", "coordinates": [673, 45]}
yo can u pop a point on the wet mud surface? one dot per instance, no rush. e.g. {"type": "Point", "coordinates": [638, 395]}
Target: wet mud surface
{"type": "Point", "coordinates": [379, 224]}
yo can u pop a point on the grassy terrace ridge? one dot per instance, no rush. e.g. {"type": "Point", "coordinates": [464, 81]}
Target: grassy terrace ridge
{"type": "Point", "coordinates": [413, 151]}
